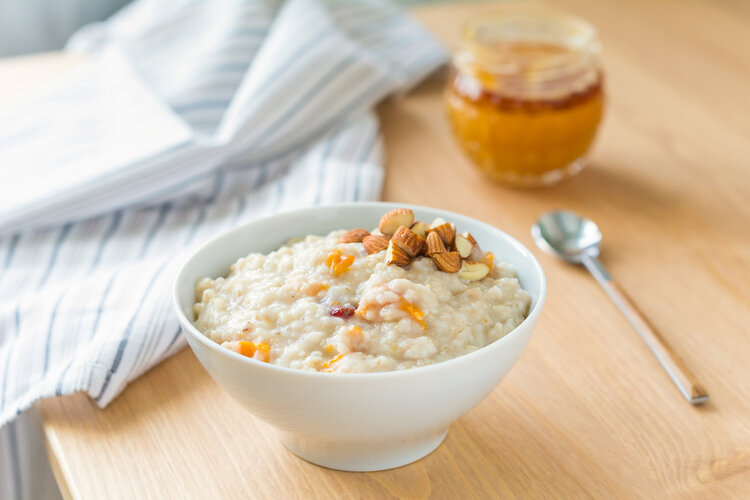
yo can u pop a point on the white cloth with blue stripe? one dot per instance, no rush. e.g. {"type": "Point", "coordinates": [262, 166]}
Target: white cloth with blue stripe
{"type": "Point", "coordinates": [187, 118]}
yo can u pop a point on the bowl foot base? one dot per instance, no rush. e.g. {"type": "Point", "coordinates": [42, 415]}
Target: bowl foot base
{"type": "Point", "coordinates": [364, 456]}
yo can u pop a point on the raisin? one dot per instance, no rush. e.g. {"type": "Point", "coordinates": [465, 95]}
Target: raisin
{"type": "Point", "coordinates": [345, 311]}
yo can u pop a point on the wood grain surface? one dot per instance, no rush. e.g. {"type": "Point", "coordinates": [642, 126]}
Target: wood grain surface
{"type": "Point", "coordinates": [587, 411]}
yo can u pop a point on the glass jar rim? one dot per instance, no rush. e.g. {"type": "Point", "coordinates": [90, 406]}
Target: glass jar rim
{"type": "Point", "coordinates": [487, 41]}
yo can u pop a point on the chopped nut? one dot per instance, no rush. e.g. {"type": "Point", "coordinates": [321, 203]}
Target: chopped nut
{"type": "Point", "coordinates": [434, 244]}
{"type": "Point", "coordinates": [409, 241]}
{"type": "Point", "coordinates": [395, 255]}
{"type": "Point", "coordinates": [354, 235]}
{"type": "Point", "coordinates": [375, 243]}
{"type": "Point", "coordinates": [473, 271]}
{"type": "Point", "coordinates": [469, 237]}
{"type": "Point", "coordinates": [403, 239]}
{"type": "Point", "coordinates": [391, 221]}
{"type": "Point", "coordinates": [446, 231]}
{"type": "Point", "coordinates": [463, 245]}
{"type": "Point", "coordinates": [449, 262]}
{"type": "Point", "coordinates": [420, 228]}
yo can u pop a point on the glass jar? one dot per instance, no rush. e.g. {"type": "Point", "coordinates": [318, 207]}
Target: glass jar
{"type": "Point", "coordinates": [526, 96]}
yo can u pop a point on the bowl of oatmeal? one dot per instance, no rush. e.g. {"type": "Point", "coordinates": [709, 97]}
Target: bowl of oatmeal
{"type": "Point", "coordinates": [360, 331]}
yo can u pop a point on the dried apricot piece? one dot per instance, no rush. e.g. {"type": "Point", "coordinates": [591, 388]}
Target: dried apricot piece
{"type": "Point", "coordinates": [330, 365]}
{"type": "Point", "coordinates": [415, 312]}
{"type": "Point", "coordinates": [247, 348]}
{"type": "Point", "coordinates": [263, 352]}
{"type": "Point", "coordinates": [339, 263]}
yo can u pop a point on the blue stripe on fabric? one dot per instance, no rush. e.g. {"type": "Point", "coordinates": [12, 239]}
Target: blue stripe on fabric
{"type": "Point", "coordinates": [174, 339]}
{"type": "Point", "coordinates": [216, 190]}
{"type": "Point", "coordinates": [261, 175]}
{"type": "Point", "coordinates": [306, 97]}
{"type": "Point", "coordinates": [363, 161]}
{"type": "Point", "coordinates": [357, 101]}
{"type": "Point", "coordinates": [250, 32]}
{"type": "Point", "coordinates": [202, 105]}
{"type": "Point", "coordinates": [163, 212]}
{"type": "Point", "coordinates": [321, 176]}
{"type": "Point", "coordinates": [371, 92]}
{"type": "Point", "coordinates": [208, 201]}
{"type": "Point", "coordinates": [171, 188]}
{"type": "Point", "coordinates": [162, 156]}
{"type": "Point", "coordinates": [111, 230]}
{"type": "Point", "coordinates": [100, 309]}
{"type": "Point", "coordinates": [61, 380]}
{"type": "Point", "coordinates": [55, 252]}
{"type": "Point", "coordinates": [14, 459]}
{"type": "Point", "coordinates": [11, 250]}
{"type": "Point", "coordinates": [51, 326]}
{"type": "Point", "coordinates": [280, 197]}
{"type": "Point", "coordinates": [155, 38]}
{"type": "Point", "coordinates": [126, 334]}
{"type": "Point", "coordinates": [218, 184]}
{"type": "Point", "coordinates": [191, 234]}
{"type": "Point", "coordinates": [241, 206]}
{"type": "Point", "coordinates": [302, 48]}
{"type": "Point", "coordinates": [7, 359]}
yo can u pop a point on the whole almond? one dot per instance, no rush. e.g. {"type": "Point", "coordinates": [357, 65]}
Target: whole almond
{"type": "Point", "coordinates": [433, 244]}
{"type": "Point", "coordinates": [395, 255]}
{"type": "Point", "coordinates": [409, 241]}
{"type": "Point", "coordinates": [354, 235]}
{"type": "Point", "coordinates": [375, 243]}
{"type": "Point", "coordinates": [449, 262]}
{"type": "Point", "coordinates": [391, 221]}
{"type": "Point", "coordinates": [446, 231]}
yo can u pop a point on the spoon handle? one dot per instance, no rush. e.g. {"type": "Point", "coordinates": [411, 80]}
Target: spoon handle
{"type": "Point", "coordinates": [674, 366]}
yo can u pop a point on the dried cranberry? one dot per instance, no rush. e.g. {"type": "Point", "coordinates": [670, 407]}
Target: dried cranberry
{"type": "Point", "coordinates": [345, 311]}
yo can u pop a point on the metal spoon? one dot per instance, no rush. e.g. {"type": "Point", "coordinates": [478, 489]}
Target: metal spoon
{"type": "Point", "coordinates": [576, 239]}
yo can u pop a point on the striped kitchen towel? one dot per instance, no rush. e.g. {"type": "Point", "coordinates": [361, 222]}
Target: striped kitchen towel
{"type": "Point", "coordinates": [188, 117]}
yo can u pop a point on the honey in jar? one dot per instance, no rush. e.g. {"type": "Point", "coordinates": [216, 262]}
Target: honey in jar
{"type": "Point", "coordinates": [526, 98]}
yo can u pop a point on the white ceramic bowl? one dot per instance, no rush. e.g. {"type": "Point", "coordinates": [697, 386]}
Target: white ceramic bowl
{"type": "Point", "coordinates": [366, 421]}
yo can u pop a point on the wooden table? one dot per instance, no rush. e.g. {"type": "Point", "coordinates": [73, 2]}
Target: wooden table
{"type": "Point", "coordinates": [587, 412]}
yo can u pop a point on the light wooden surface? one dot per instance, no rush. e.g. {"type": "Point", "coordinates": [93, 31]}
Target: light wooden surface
{"type": "Point", "coordinates": [587, 411]}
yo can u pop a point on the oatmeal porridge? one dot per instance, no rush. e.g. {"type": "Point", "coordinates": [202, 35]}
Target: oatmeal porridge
{"type": "Point", "coordinates": [408, 294]}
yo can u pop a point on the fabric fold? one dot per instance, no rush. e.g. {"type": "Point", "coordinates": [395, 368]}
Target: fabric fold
{"type": "Point", "coordinates": [170, 94]}
{"type": "Point", "coordinates": [188, 118]}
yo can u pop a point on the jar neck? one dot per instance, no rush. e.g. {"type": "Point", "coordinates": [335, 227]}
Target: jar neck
{"type": "Point", "coordinates": [529, 51]}
{"type": "Point", "coordinates": [530, 70]}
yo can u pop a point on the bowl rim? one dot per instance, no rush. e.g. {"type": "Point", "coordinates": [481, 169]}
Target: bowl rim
{"type": "Point", "coordinates": [189, 329]}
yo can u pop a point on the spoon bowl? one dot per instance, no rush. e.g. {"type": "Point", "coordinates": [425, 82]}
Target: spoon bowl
{"type": "Point", "coordinates": [567, 235]}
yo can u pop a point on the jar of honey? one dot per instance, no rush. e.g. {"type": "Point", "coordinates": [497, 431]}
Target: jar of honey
{"type": "Point", "coordinates": [526, 98]}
